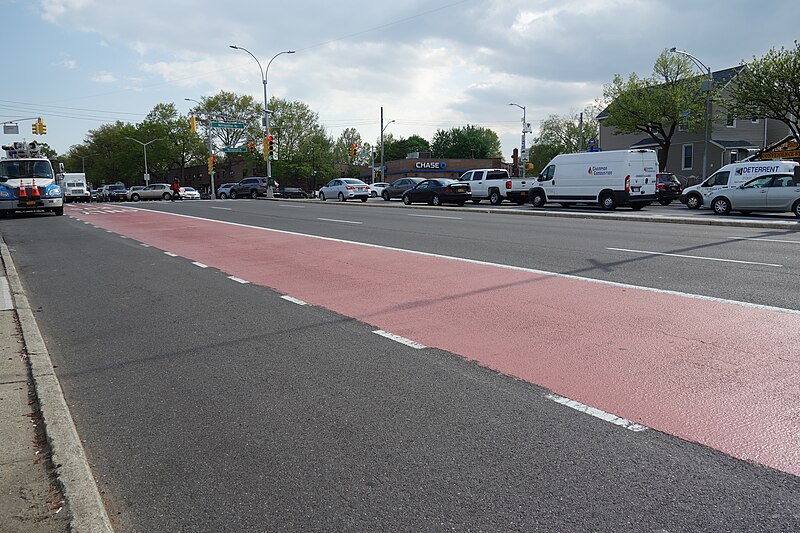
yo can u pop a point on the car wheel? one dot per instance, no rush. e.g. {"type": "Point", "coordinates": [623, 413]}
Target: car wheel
{"type": "Point", "coordinates": [538, 199]}
{"type": "Point", "coordinates": [665, 202]}
{"type": "Point", "coordinates": [233, 194]}
{"type": "Point", "coordinates": [341, 197]}
{"type": "Point", "coordinates": [166, 196]}
{"type": "Point", "coordinates": [476, 200]}
{"type": "Point", "coordinates": [435, 200]}
{"type": "Point", "coordinates": [134, 197]}
{"type": "Point", "coordinates": [521, 200]}
{"type": "Point", "coordinates": [495, 198]}
{"type": "Point", "coordinates": [59, 211]}
{"type": "Point", "coordinates": [406, 199]}
{"type": "Point", "coordinates": [796, 209]}
{"type": "Point", "coordinates": [223, 196]}
{"type": "Point", "coordinates": [721, 206]}
{"type": "Point", "coordinates": [607, 202]}
{"type": "Point", "coordinates": [694, 201]}
{"type": "Point", "coordinates": [254, 194]}
{"type": "Point", "coordinates": [322, 196]}
{"type": "Point", "coordinates": [374, 194]}
{"type": "Point", "coordinates": [385, 196]}
{"type": "Point", "coordinates": [363, 199]}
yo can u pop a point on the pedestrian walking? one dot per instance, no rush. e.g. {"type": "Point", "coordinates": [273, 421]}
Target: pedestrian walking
{"type": "Point", "coordinates": [176, 190]}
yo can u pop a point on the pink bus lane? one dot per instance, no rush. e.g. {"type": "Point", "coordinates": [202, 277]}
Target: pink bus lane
{"type": "Point", "coordinates": [723, 374]}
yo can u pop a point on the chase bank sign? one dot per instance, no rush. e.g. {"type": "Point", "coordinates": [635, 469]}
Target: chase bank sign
{"type": "Point", "coordinates": [430, 165]}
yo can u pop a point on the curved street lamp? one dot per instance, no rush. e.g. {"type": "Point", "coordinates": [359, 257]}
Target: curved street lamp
{"type": "Point", "coordinates": [710, 82]}
{"type": "Point", "coordinates": [144, 146]}
{"type": "Point", "coordinates": [523, 157]}
{"type": "Point", "coordinates": [383, 177]}
{"type": "Point", "coordinates": [265, 122]}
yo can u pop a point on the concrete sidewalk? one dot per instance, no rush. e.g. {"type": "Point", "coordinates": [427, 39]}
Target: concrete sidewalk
{"type": "Point", "coordinates": [46, 484]}
{"type": "Point", "coordinates": [30, 498]}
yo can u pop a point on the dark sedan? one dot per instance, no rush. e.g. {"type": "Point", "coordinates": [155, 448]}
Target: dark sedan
{"type": "Point", "coordinates": [437, 192]}
{"type": "Point", "coordinates": [290, 192]}
{"type": "Point", "coordinates": [398, 187]}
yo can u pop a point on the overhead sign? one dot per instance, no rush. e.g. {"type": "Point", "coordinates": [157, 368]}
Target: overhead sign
{"type": "Point", "coordinates": [229, 150]}
{"type": "Point", "coordinates": [786, 154]}
{"type": "Point", "coordinates": [228, 125]}
{"type": "Point", "coordinates": [11, 128]}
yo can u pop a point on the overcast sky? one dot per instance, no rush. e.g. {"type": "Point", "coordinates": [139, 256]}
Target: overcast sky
{"type": "Point", "coordinates": [433, 64]}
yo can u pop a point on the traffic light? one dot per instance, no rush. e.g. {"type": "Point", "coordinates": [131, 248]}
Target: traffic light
{"type": "Point", "coordinates": [251, 148]}
{"type": "Point", "coordinates": [193, 123]}
{"type": "Point", "coordinates": [42, 128]}
{"type": "Point", "coordinates": [353, 150]}
{"type": "Point", "coordinates": [270, 152]}
{"type": "Point", "coordinates": [35, 128]}
{"type": "Point", "coordinates": [211, 164]}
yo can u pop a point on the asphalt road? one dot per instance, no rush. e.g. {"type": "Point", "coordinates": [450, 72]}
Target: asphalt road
{"type": "Point", "coordinates": [209, 405]}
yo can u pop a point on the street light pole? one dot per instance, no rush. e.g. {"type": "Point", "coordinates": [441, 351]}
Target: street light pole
{"type": "Point", "coordinates": [710, 83]}
{"type": "Point", "coordinates": [210, 147]}
{"type": "Point", "coordinates": [383, 164]}
{"type": "Point", "coordinates": [523, 155]}
{"type": "Point", "coordinates": [144, 147]}
{"type": "Point", "coordinates": [265, 122]}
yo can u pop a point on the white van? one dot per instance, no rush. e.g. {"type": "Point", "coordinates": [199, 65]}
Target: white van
{"type": "Point", "coordinates": [611, 179]}
{"type": "Point", "coordinates": [731, 176]}
{"type": "Point", "coordinates": [73, 184]}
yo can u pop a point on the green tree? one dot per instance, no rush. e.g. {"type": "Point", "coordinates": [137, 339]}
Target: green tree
{"type": "Point", "coordinates": [294, 127]}
{"type": "Point", "coordinates": [769, 87]}
{"type": "Point", "coordinates": [399, 149]}
{"type": "Point", "coordinates": [178, 145]}
{"type": "Point", "coordinates": [563, 135]}
{"type": "Point", "coordinates": [346, 140]}
{"type": "Point", "coordinates": [657, 105]}
{"type": "Point", "coordinates": [468, 142]}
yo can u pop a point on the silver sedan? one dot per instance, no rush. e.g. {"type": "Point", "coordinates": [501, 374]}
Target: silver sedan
{"type": "Point", "coordinates": [773, 192]}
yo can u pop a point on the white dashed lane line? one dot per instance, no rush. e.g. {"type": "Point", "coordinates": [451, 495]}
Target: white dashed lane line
{"type": "Point", "coordinates": [436, 216]}
{"type": "Point", "coordinates": [597, 413]}
{"type": "Point", "coordinates": [398, 338]}
{"type": "Point", "coordinates": [646, 252]}
{"type": "Point", "coordinates": [293, 300]}
{"type": "Point", "coordinates": [198, 264]}
{"type": "Point", "coordinates": [170, 254]}
{"type": "Point", "coordinates": [340, 221]}
{"type": "Point", "coordinates": [238, 280]}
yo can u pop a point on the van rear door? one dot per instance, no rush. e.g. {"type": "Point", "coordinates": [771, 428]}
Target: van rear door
{"type": "Point", "coordinates": [643, 167]}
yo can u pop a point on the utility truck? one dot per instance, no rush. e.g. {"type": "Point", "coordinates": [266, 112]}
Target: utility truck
{"type": "Point", "coordinates": [27, 181]}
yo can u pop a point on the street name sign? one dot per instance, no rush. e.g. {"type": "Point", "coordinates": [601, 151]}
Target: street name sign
{"type": "Point", "coordinates": [228, 125]}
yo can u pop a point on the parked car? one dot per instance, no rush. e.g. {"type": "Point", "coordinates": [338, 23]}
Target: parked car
{"type": "Point", "coordinates": [133, 189]}
{"type": "Point", "coordinates": [438, 191]}
{"type": "Point", "coordinates": [224, 190]}
{"type": "Point", "coordinates": [376, 189]}
{"type": "Point", "coordinates": [249, 188]}
{"type": "Point", "coordinates": [496, 185]}
{"type": "Point", "coordinates": [291, 192]}
{"type": "Point", "coordinates": [731, 176]}
{"type": "Point", "coordinates": [345, 189]}
{"type": "Point", "coordinates": [189, 193]}
{"type": "Point", "coordinates": [774, 192]}
{"type": "Point", "coordinates": [156, 191]}
{"type": "Point", "coordinates": [397, 188]}
{"type": "Point", "coordinates": [94, 195]}
{"type": "Point", "coordinates": [112, 193]}
{"type": "Point", "coordinates": [668, 188]}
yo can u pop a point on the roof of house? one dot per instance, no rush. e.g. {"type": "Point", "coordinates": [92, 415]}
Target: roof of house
{"type": "Point", "coordinates": [731, 145]}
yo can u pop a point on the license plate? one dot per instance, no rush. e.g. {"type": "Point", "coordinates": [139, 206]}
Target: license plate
{"type": "Point", "coordinates": [635, 189]}
{"type": "Point", "coordinates": [459, 189]}
{"type": "Point", "coordinates": [30, 203]}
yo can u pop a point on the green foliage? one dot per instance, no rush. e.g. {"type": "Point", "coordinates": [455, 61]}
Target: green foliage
{"type": "Point", "coordinates": [655, 106]}
{"type": "Point", "coordinates": [469, 142]}
{"type": "Point", "coordinates": [399, 149]}
{"type": "Point", "coordinates": [769, 87]}
{"type": "Point", "coordinates": [563, 135]}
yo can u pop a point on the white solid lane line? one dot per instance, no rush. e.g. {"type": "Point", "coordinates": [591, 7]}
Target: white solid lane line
{"type": "Point", "coordinates": [435, 216]}
{"type": "Point", "coordinates": [695, 257]}
{"type": "Point", "coordinates": [786, 241]}
{"type": "Point", "coordinates": [341, 221]}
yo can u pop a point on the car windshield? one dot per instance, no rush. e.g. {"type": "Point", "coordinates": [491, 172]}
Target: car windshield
{"type": "Point", "coordinates": [15, 169]}
{"type": "Point", "coordinates": [667, 178]}
{"type": "Point", "coordinates": [116, 187]}
{"type": "Point", "coordinates": [190, 189]}
{"type": "Point", "coordinates": [354, 182]}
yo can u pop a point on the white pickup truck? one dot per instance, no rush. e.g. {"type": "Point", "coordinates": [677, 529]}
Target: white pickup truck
{"type": "Point", "coordinates": [496, 185]}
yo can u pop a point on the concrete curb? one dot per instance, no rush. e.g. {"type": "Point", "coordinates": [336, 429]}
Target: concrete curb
{"type": "Point", "coordinates": [764, 224]}
{"type": "Point", "coordinates": [72, 467]}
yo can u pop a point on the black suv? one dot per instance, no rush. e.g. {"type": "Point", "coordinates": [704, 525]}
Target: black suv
{"type": "Point", "coordinates": [668, 188]}
{"type": "Point", "coordinates": [249, 188]}
{"type": "Point", "coordinates": [398, 187]}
